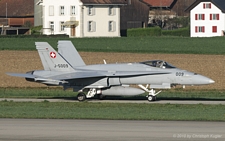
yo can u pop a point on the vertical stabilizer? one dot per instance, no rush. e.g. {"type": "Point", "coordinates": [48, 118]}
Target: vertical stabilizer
{"type": "Point", "coordinates": [50, 59]}
{"type": "Point", "coordinates": [69, 53]}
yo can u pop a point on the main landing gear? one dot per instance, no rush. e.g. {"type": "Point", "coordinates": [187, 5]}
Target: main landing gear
{"type": "Point", "coordinates": [90, 93]}
{"type": "Point", "coordinates": [151, 93]}
{"type": "Point", "coordinates": [81, 96]}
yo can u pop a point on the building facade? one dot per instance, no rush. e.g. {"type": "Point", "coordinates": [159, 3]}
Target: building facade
{"type": "Point", "coordinates": [81, 18]}
{"type": "Point", "coordinates": [207, 18]}
{"type": "Point", "coordinates": [15, 18]}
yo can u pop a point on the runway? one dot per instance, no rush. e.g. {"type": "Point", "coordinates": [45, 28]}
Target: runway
{"type": "Point", "coordinates": [109, 130]}
{"type": "Point", "coordinates": [120, 101]}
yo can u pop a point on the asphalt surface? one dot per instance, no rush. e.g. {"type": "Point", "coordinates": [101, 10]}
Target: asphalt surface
{"type": "Point", "coordinates": [109, 130]}
{"type": "Point", "coordinates": [120, 101]}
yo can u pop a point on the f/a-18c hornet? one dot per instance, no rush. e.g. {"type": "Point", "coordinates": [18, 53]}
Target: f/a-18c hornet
{"type": "Point", "coordinates": [66, 68]}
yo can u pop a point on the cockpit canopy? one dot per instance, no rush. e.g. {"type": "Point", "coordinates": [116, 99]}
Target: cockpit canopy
{"type": "Point", "coordinates": [158, 64]}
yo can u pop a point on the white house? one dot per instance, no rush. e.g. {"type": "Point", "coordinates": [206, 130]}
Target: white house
{"type": "Point", "coordinates": [207, 18]}
{"type": "Point", "coordinates": [82, 18]}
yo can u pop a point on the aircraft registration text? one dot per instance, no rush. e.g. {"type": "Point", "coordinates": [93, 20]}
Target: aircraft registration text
{"type": "Point", "coordinates": [179, 74]}
{"type": "Point", "coordinates": [61, 66]}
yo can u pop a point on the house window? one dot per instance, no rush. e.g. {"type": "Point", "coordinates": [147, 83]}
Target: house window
{"type": "Point", "coordinates": [112, 26]}
{"type": "Point", "coordinates": [51, 10]}
{"type": "Point", "coordinates": [214, 29]}
{"type": "Point", "coordinates": [91, 10]}
{"type": "Point", "coordinates": [62, 26]}
{"type": "Point", "coordinates": [199, 29]}
{"type": "Point", "coordinates": [62, 10]}
{"type": "Point", "coordinates": [91, 26]}
{"type": "Point", "coordinates": [111, 10]}
{"type": "Point", "coordinates": [199, 16]}
{"type": "Point", "coordinates": [206, 5]}
{"type": "Point", "coordinates": [214, 16]}
{"type": "Point", "coordinates": [51, 26]}
{"type": "Point", "coordinates": [72, 10]}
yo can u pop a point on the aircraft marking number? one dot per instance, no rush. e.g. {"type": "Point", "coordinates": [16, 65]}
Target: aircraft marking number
{"type": "Point", "coordinates": [61, 65]}
{"type": "Point", "coordinates": [179, 74]}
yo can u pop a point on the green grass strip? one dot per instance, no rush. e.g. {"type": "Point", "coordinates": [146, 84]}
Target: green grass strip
{"type": "Point", "coordinates": [114, 111]}
{"type": "Point", "coordinates": [164, 44]}
{"type": "Point", "coordinates": [58, 92]}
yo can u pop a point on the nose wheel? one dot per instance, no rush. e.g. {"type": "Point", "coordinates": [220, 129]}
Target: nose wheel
{"type": "Point", "coordinates": [151, 93]}
{"type": "Point", "coordinates": [151, 98]}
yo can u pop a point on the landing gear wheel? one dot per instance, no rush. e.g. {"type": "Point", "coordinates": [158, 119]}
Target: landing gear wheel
{"type": "Point", "coordinates": [81, 97]}
{"type": "Point", "coordinates": [151, 98]}
{"type": "Point", "coordinates": [101, 97]}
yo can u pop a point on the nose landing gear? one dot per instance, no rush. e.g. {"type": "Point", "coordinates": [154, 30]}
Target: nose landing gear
{"type": "Point", "coordinates": [151, 93]}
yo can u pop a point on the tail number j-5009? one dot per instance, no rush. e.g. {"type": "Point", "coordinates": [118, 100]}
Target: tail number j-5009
{"type": "Point", "coordinates": [179, 74]}
{"type": "Point", "coordinates": [61, 65]}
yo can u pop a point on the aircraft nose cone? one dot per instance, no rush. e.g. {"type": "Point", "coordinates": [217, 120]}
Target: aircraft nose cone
{"type": "Point", "coordinates": [202, 80]}
{"type": "Point", "coordinates": [211, 81]}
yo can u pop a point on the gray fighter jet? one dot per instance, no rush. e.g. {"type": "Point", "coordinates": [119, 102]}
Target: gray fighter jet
{"type": "Point", "coordinates": [66, 68]}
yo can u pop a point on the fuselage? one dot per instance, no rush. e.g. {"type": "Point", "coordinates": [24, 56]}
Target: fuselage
{"type": "Point", "coordinates": [162, 76]}
{"type": "Point", "coordinates": [170, 75]}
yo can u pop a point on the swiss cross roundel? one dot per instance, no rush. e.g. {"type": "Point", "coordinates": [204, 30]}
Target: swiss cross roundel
{"type": "Point", "coordinates": [53, 54]}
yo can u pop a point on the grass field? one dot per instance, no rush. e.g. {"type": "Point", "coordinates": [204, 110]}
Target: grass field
{"type": "Point", "coordinates": [69, 94]}
{"type": "Point", "coordinates": [114, 111]}
{"type": "Point", "coordinates": [87, 110]}
{"type": "Point", "coordinates": [119, 111]}
{"type": "Point", "coordinates": [183, 45]}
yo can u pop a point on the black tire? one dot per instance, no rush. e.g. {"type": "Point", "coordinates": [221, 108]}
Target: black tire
{"type": "Point", "coordinates": [154, 98]}
{"type": "Point", "coordinates": [81, 97]}
{"type": "Point", "coordinates": [151, 98]}
{"type": "Point", "coordinates": [101, 97]}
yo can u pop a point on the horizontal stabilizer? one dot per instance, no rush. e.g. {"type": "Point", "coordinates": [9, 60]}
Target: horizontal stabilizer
{"type": "Point", "coordinates": [25, 75]}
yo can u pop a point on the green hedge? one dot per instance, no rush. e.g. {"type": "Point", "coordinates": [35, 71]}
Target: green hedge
{"type": "Point", "coordinates": [35, 36]}
{"type": "Point", "coordinates": [178, 32]}
{"type": "Point", "coordinates": [137, 32]}
{"type": "Point", "coordinates": [157, 31]}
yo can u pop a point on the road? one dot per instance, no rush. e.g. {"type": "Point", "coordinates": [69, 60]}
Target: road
{"type": "Point", "coordinates": [120, 101]}
{"type": "Point", "coordinates": [109, 130]}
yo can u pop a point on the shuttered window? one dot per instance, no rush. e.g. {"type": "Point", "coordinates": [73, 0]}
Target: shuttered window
{"type": "Point", "coordinates": [91, 10]}
{"type": "Point", "coordinates": [61, 10]}
{"type": "Point", "coordinates": [91, 26]}
{"type": "Point", "coordinates": [214, 16]}
{"type": "Point", "coordinates": [112, 11]}
{"type": "Point", "coordinates": [73, 10]}
{"type": "Point", "coordinates": [214, 29]}
{"type": "Point", "coordinates": [199, 16]}
{"type": "Point", "coordinates": [112, 26]}
{"type": "Point", "coordinates": [199, 29]}
{"type": "Point", "coordinates": [62, 26]}
{"type": "Point", "coordinates": [207, 5]}
{"type": "Point", "coordinates": [51, 24]}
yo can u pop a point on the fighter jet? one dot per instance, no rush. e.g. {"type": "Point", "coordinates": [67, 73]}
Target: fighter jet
{"type": "Point", "coordinates": [67, 69]}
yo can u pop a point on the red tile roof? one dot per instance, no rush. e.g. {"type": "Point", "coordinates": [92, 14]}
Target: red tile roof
{"type": "Point", "coordinates": [159, 3]}
{"type": "Point", "coordinates": [104, 1]}
{"type": "Point", "coordinates": [17, 8]}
